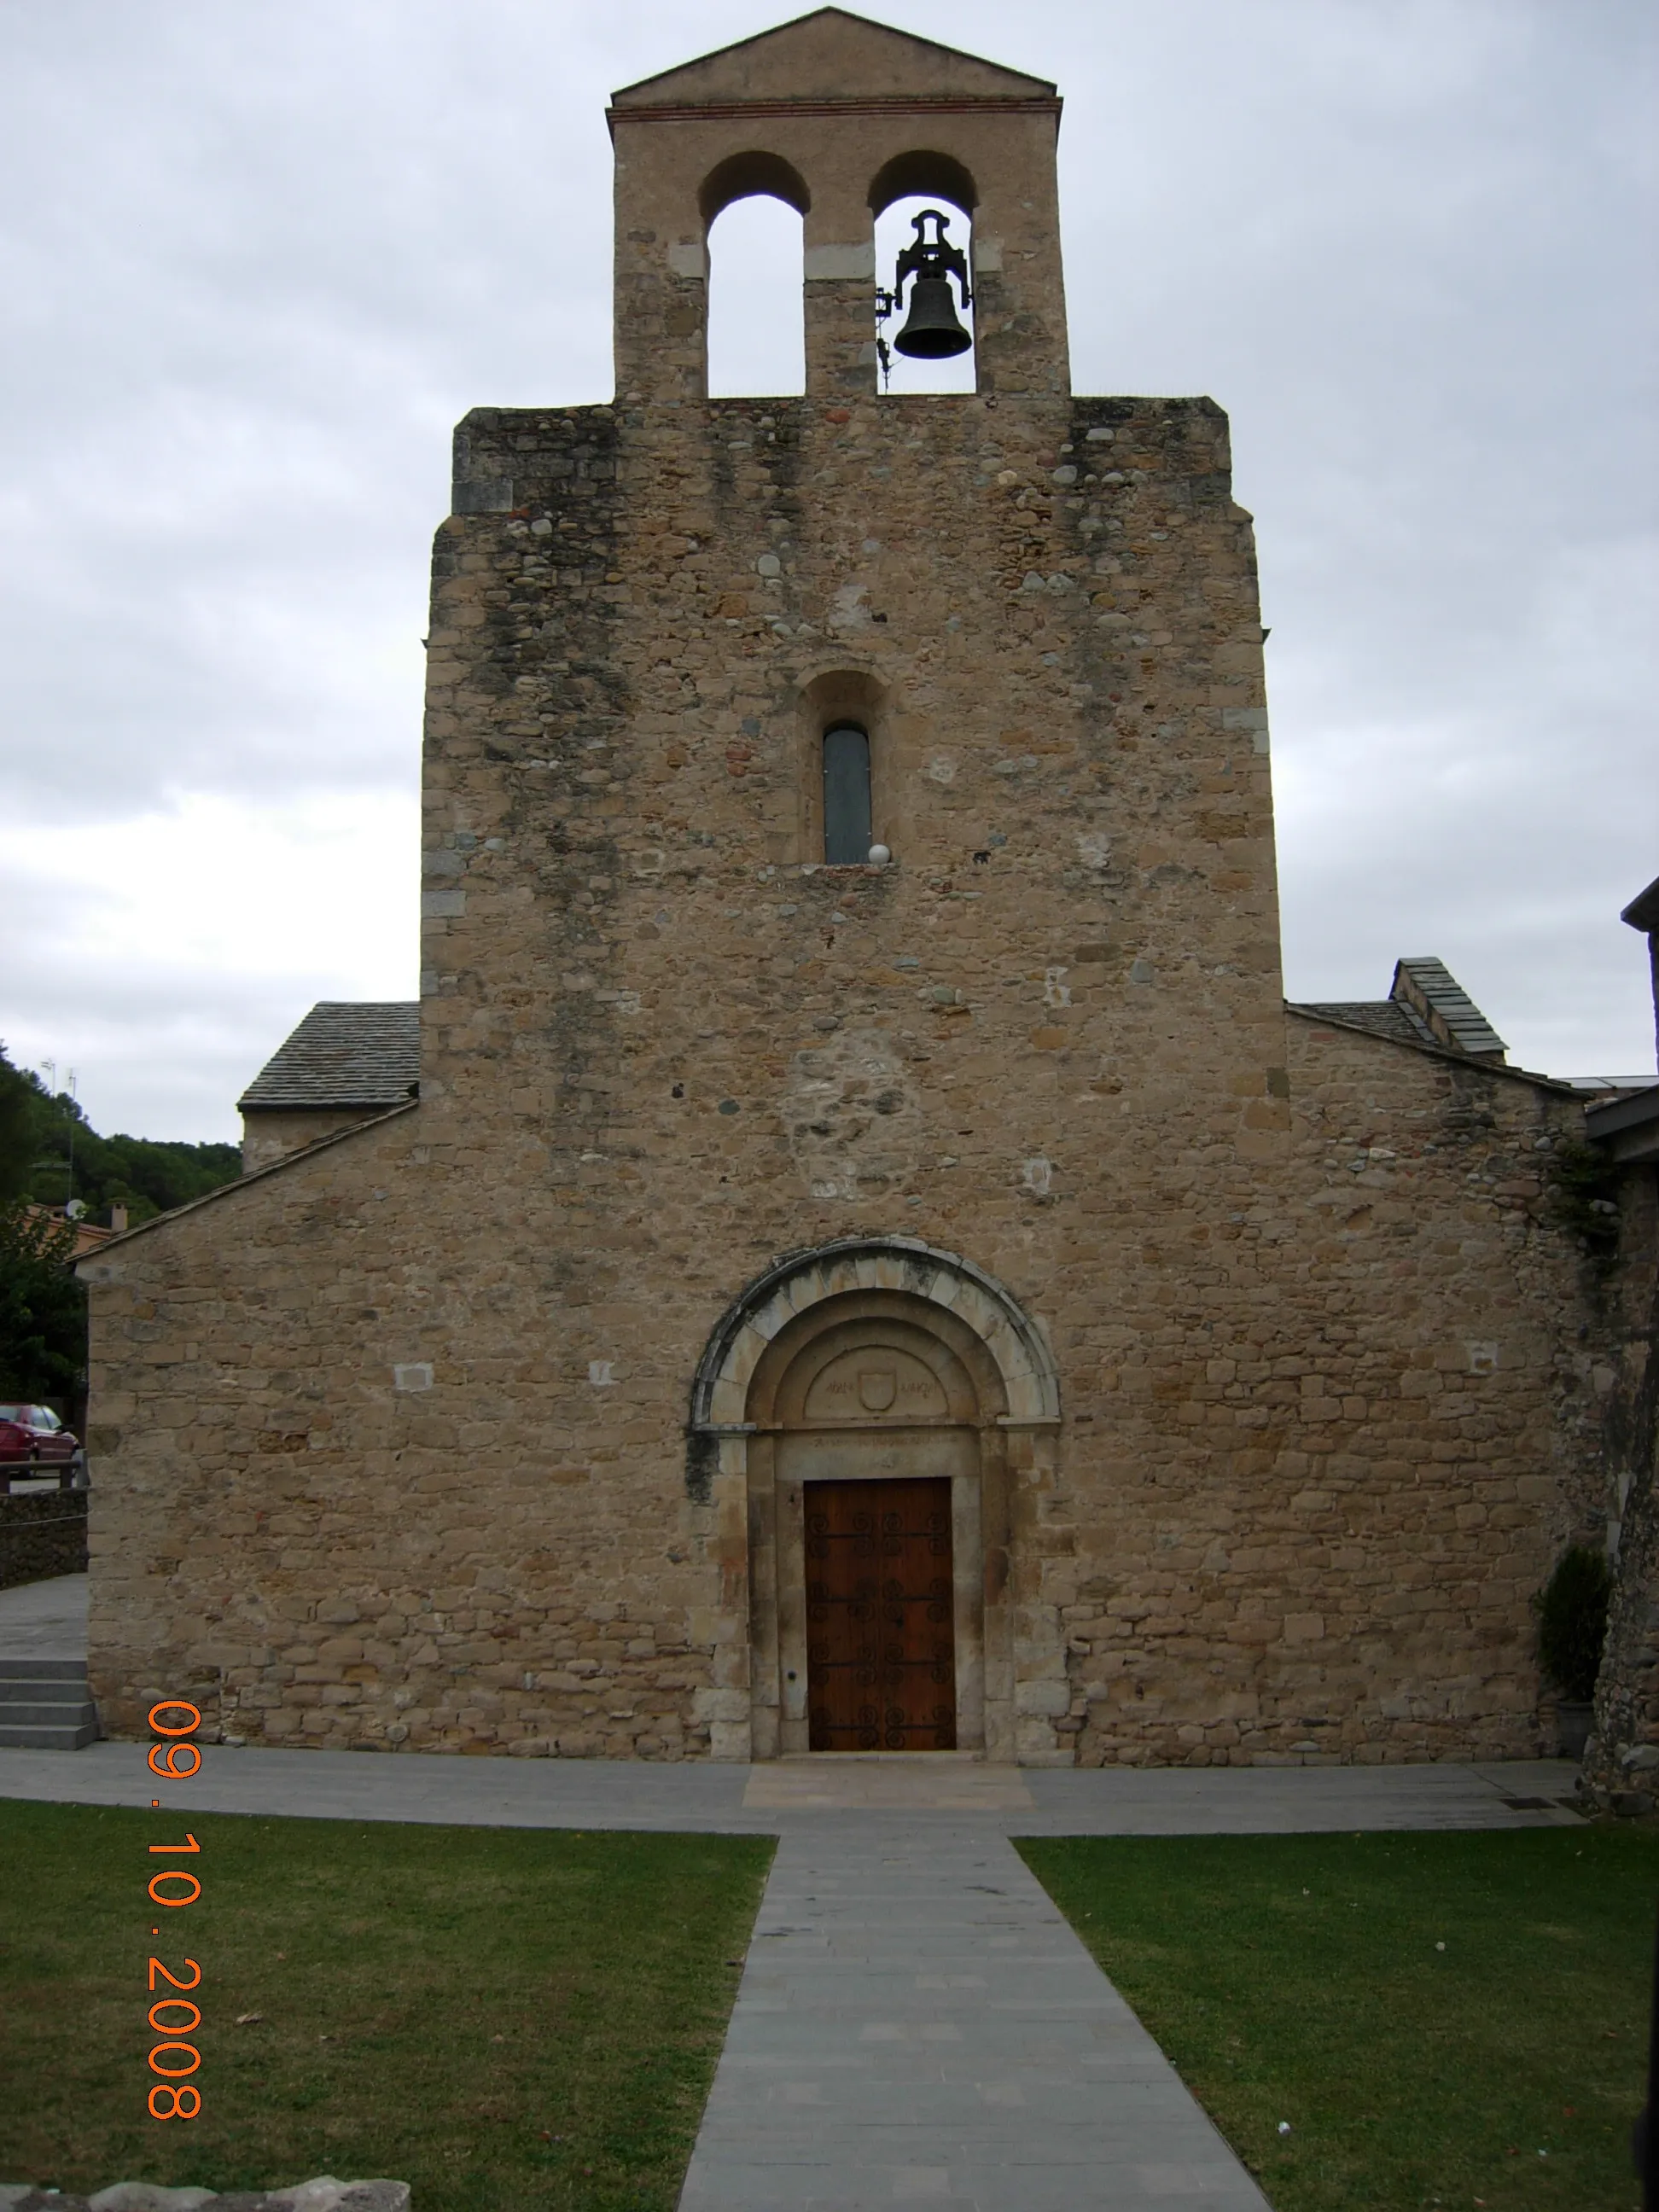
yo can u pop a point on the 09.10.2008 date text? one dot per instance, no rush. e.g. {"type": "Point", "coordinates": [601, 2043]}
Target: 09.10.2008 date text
{"type": "Point", "coordinates": [173, 2097]}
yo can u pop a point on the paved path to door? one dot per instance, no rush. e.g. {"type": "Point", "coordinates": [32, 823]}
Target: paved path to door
{"type": "Point", "coordinates": [918, 2023]}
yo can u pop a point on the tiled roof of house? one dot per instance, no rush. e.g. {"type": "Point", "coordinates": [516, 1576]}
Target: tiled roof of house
{"type": "Point", "coordinates": [360, 1053]}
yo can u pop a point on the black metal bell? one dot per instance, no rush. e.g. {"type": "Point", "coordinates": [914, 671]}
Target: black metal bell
{"type": "Point", "coordinates": [932, 332]}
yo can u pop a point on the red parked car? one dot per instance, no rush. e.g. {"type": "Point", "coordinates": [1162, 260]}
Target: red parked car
{"type": "Point", "coordinates": [33, 1441]}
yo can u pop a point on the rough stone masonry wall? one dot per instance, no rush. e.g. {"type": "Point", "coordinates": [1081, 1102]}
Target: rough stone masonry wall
{"type": "Point", "coordinates": [1053, 611]}
{"type": "Point", "coordinates": [1406, 1436]}
{"type": "Point", "coordinates": [268, 1136]}
{"type": "Point", "coordinates": [391, 1439]}
{"type": "Point", "coordinates": [317, 1556]}
{"type": "Point", "coordinates": [42, 1534]}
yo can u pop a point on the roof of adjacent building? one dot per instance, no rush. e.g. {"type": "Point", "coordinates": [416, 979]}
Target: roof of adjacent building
{"type": "Point", "coordinates": [1427, 989]}
{"type": "Point", "coordinates": [1384, 1018]}
{"type": "Point", "coordinates": [345, 1052]}
{"type": "Point", "coordinates": [1426, 1006]}
{"type": "Point", "coordinates": [1643, 912]}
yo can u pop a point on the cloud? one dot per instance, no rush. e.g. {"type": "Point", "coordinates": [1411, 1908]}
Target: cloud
{"type": "Point", "coordinates": [254, 263]}
{"type": "Point", "coordinates": [167, 955]}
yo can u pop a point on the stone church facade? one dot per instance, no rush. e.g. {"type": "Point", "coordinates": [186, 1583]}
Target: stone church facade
{"type": "Point", "coordinates": [760, 1305]}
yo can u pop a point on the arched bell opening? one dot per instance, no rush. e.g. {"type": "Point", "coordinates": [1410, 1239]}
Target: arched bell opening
{"type": "Point", "coordinates": [923, 203]}
{"type": "Point", "coordinates": [752, 207]}
{"type": "Point", "coordinates": [872, 1391]}
{"type": "Point", "coordinates": [741, 176]}
{"type": "Point", "coordinates": [921, 175]}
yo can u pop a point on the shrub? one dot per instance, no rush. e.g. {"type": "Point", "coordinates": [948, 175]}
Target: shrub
{"type": "Point", "coordinates": [1572, 1621]}
{"type": "Point", "coordinates": [1586, 1184]}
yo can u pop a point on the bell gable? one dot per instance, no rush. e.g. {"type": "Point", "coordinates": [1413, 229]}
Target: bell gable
{"type": "Point", "coordinates": [832, 55]}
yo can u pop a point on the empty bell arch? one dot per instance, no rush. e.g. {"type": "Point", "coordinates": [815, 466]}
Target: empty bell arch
{"type": "Point", "coordinates": [752, 205]}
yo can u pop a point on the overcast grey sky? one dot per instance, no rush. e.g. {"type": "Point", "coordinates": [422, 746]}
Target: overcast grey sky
{"type": "Point", "coordinates": [256, 258]}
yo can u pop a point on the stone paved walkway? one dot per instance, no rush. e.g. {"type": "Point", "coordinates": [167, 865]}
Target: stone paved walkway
{"type": "Point", "coordinates": [917, 2023]}
{"type": "Point", "coordinates": [795, 1796]}
{"type": "Point", "coordinates": [44, 1621]}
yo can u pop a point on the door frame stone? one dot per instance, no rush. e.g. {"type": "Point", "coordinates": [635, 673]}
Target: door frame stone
{"type": "Point", "coordinates": [732, 1463]}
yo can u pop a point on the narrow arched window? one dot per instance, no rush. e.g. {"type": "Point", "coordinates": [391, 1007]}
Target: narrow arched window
{"type": "Point", "coordinates": [845, 796]}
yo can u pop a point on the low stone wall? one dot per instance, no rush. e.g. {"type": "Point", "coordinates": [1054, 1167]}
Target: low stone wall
{"type": "Point", "coordinates": [42, 1533]}
{"type": "Point", "coordinates": [325, 2194]}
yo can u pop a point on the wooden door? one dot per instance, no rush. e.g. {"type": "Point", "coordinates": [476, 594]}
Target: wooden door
{"type": "Point", "coordinates": [880, 1637]}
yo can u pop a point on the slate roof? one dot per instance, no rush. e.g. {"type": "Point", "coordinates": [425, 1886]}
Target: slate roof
{"type": "Point", "coordinates": [1384, 1018]}
{"type": "Point", "coordinates": [356, 1053]}
{"type": "Point", "coordinates": [1427, 1005]}
{"type": "Point", "coordinates": [1443, 1003]}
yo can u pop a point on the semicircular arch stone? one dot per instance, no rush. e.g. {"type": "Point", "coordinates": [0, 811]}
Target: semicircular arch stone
{"type": "Point", "coordinates": [800, 1280]}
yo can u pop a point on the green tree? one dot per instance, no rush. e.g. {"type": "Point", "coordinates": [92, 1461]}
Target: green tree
{"type": "Point", "coordinates": [17, 1123]}
{"type": "Point", "coordinates": [43, 1309]}
{"type": "Point", "coordinates": [50, 1151]}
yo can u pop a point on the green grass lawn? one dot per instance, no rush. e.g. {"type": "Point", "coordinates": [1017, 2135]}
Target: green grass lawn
{"type": "Point", "coordinates": [1300, 1978]}
{"type": "Point", "coordinates": [508, 2019]}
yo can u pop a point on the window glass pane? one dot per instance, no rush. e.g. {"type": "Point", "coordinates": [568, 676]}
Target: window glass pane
{"type": "Point", "coordinates": [845, 796]}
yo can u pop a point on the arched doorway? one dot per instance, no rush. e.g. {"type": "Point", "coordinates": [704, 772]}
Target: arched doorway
{"type": "Point", "coordinates": [879, 1401]}
{"type": "Point", "coordinates": [880, 1468]}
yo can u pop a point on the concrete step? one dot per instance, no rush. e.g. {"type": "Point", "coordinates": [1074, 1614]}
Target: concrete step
{"type": "Point", "coordinates": [44, 1736]}
{"type": "Point", "coordinates": [56, 1713]}
{"type": "Point", "coordinates": [43, 1705]}
{"type": "Point", "coordinates": [30, 1689]}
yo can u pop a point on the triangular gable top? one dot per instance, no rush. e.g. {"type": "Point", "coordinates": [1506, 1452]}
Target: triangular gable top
{"type": "Point", "coordinates": [832, 55]}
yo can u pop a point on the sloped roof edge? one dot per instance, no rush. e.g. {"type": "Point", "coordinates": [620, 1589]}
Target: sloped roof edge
{"type": "Point", "coordinates": [663, 81]}
{"type": "Point", "coordinates": [1328, 1016]}
{"type": "Point", "coordinates": [1643, 912]}
{"type": "Point", "coordinates": [1426, 983]}
{"type": "Point", "coordinates": [247, 1181]}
